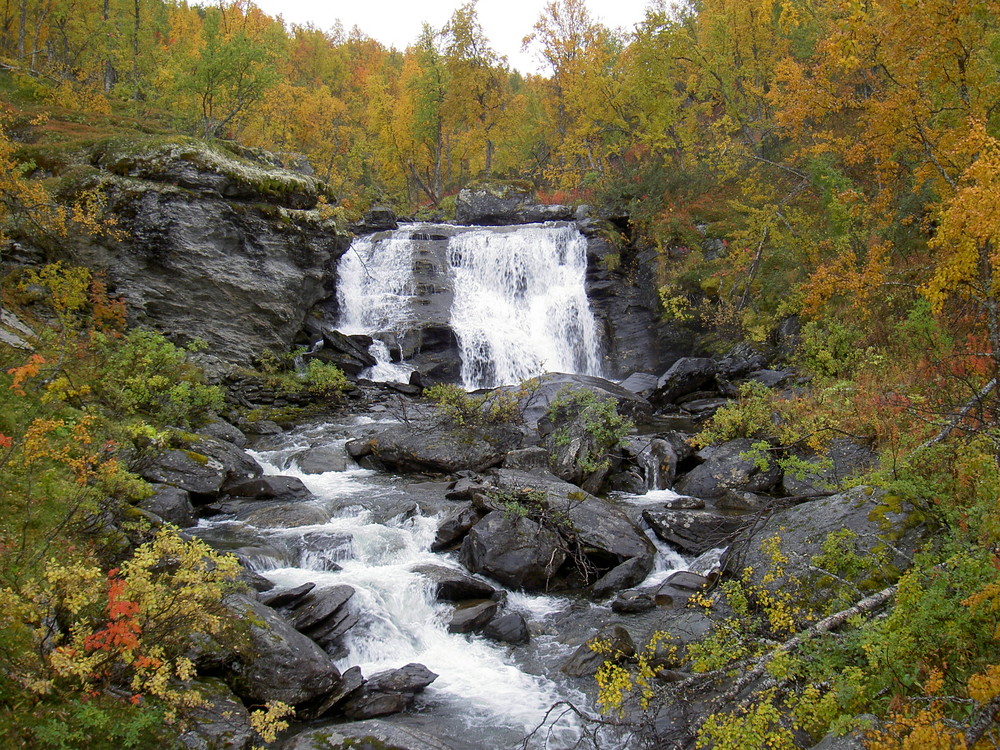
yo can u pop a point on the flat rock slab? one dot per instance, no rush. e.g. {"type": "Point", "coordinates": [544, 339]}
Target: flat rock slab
{"type": "Point", "coordinates": [378, 733]}
{"type": "Point", "coordinates": [693, 531]}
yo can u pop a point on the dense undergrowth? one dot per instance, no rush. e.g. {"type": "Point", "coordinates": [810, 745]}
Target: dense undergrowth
{"type": "Point", "coordinates": [99, 610]}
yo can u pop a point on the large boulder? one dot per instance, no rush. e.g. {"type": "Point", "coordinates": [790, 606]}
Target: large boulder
{"type": "Point", "coordinates": [204, 469]}
{"type": "Point", "coordinates": [686, 375]}
{"type": "Point", "coordinates": [454, 586]}
{"type": "Point", "coordinates": [389, 692]}
{"type": "Point", "coordinates": [516, 551]}
{"type": "Point", "coordinates": [724, 468]}
{"type": "Point", "coordinates": [443, 448]}
{"type": "Point", "coordinates": [693, 532]}
{"type": "Point", "coordinates": [870, 530]}
{"type": "Point", "coordinates": [543, 390]}
{"type": "Point", "coordinates": [281, 663]}
{"type": "Point", "coordinates": [172, 504]}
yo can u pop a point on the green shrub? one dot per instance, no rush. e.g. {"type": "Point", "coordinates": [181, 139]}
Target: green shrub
{"type": "Point", "coordinates": [601, 421]}
{"type": "Point", "coordinates": [462, 408]}
{"type": "Point", "coordinates": [143, 374]}
{"type": "Point", "coordinates": [747, 417]}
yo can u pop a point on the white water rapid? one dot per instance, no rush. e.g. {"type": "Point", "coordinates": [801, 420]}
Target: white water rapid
{"type": "Point", "coordinates": [482, 697]}
{"type": "Point", "coordinates": [519, 304]}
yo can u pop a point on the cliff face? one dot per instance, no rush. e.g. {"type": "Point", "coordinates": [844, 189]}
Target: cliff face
{"type": "Point", "coordinates": [226, 247]}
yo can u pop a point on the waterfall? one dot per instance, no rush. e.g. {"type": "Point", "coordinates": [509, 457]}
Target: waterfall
{"type": "Point", "coordinates": [519, 305]}
{"type": "Point", "coordinates": [376, 284]}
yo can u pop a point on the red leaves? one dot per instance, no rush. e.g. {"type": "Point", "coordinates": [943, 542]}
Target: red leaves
{"type": "Point", "coordinates": [123, 630]}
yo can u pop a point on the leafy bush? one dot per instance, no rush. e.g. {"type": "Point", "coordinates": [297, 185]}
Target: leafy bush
{"type": "Point", "coordinates": [462, 408]}
{"type": "Point", "coordinates": [749, 416]}
{"type": "Point", "coordinates": [145, 375]}
{"type": "Point", "coordinates": [603, 425]}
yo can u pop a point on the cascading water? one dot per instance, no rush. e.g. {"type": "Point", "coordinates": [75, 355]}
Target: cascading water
{"type": "Point", "coordinates": [376, 284]}
{"type": "Point", "coordinates": [521, 305]}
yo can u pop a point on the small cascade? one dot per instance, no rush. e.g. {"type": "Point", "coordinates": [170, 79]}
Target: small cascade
{"type": "Point", "coordinates": [521, 305]}
{"type": "Point", "coordinates": [385, 370]}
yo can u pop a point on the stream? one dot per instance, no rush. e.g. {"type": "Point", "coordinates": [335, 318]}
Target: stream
{"type": "Point", "coordinates": [379, 529]}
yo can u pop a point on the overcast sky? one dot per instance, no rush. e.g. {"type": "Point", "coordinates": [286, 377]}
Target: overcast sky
{"type": "Point", "coordinates": [397, 23]}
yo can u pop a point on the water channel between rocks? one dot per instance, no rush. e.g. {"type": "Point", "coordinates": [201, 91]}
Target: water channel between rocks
{"type": "Point", "coordinates": [379, 528]}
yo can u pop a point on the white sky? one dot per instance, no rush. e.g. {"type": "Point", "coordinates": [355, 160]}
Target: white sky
{"type": "Point", "coordinates": [397, 23]}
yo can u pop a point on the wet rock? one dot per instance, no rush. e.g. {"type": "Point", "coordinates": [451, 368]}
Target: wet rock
{"type": "Point", "coordinates": [389, 692]}
{"type": "Point", "coordinates": [724, 469]}
{"type": "Point", "coordinates": [350, 681]}
{"type": "Point", "coordinates": [453, 586]}
{"type": "Point", "coordinates": [172, 504]}
{"type": "Point", "coordinates": [365, 735]}
{"type": "Point", "coordinates": [320, 605]}
{"type": "Point", "coordinates": [221, 721]}
{"type": "Point", "coordinates": [270, 488]}
{"type": "Point", "coordinates": [321, 459]}
{"type": "Point", "coordinates": [285, 597]}
{"type": "Point", "coordinates": [283, 515]}
{"type": "Point", "coordinates": [441, 449]}
{"type": "Point", "coordinates": [325, 550]}
{"type": "Point", "coordinates": [686, 375]}
{"type": "Point", "coordinates": [518, 552]}
{"type": "Point", "coordinates": [585, 661]}
{"type": "Point", "coordinates": [632, 602]}
{"type": "Point", "coordinates": [349, 353]}
{"type": "Point", "coordinates": [656, 458]}
{"type": "Point", "coordinates": [629, 573]}
{"type": "Point", "coordinates": [281, 664]}
{"type": "Point", "coordinates": [508, 628]}
{"type": "Point", "coordinates": [454, 528]}
{"type": "Point", "coordinates": [262, 427]}
{"type": "Point", "coordinates": [693, 531]}
{"type": "Point", "coordinates": [472, 617]}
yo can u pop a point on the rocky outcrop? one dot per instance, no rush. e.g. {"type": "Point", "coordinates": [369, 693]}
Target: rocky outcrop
{"type": "Point", "coordinates": [217, 244]}
{"type": "Point", "coordinates": [873, 531]}
{"type": "Point", "coordinates": [501, 202]}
